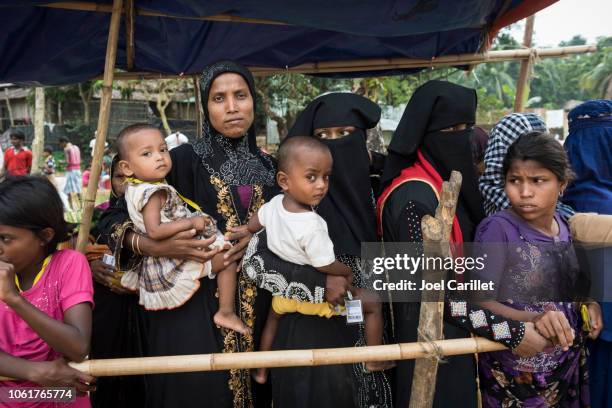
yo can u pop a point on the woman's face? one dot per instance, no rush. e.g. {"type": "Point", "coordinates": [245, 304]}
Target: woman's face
{"type": "Point", "coordinates": [335, 132]}
{"type": "Point", "coordinates": [118, 181]}
{"type": "Point", "coordinates": [230, 105]}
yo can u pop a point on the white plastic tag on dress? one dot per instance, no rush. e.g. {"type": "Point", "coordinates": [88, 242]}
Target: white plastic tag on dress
{"type": "Point", "coordinates": [354, 312]}
{"type": "Point", "coordinates": [108, 259]}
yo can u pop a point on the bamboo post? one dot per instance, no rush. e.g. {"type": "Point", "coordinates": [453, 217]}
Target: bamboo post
{"type": "Point", "coordinates": [436, 236]}
{"type": "Point", "coordinates": [129, 38]}
{"type": "Point", "coordinates": [282, 358]}
{"type": "Point", "coordinates": [522, 86]}
{"type": "Point", "coordinates": [198, 105]}
{"type": "Point", "coordinates": [39, 130]}
{"type": "Point", "coordinates": [103, 119]}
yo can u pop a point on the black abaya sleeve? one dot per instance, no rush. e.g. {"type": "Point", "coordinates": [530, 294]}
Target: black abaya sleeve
{"type": "Point", "coordinates": [182, 175]}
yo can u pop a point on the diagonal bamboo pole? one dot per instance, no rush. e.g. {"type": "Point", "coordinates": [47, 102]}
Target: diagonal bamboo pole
{"type": "Point", "coordinates": [103, 119]}
{"type": "Point", "coordinates": [436, 237]}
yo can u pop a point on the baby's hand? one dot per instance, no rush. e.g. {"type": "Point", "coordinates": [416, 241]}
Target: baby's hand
{"type": "Point", "coordinates": [199, 222]}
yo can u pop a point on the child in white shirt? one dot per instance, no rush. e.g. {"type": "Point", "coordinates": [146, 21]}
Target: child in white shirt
{"type": "Point", "coordinates": [297, 234]}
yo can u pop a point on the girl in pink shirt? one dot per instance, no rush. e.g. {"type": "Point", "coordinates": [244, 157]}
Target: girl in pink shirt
{"type": "Point", "coordinates": [46, 295]}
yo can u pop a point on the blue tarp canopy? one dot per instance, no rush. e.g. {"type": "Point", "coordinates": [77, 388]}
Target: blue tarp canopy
{"type": "Point", "coordinates": [44, 42]}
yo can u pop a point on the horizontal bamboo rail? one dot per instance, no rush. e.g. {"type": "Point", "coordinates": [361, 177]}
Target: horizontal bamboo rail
{"type": "Point", "coordinates": [392, 63]}
{"type": "Point", "coordinates": [283, 358]}
{"type": "Point", "coordinates": [107, 8]}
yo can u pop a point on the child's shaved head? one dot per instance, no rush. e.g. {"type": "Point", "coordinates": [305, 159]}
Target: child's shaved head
{"type": "Point", "coordinates": [290, 149]}
{"type": "Point", "coordinates": [126, 132]}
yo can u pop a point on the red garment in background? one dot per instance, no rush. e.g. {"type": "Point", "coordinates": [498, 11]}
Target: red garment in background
{"type": "Point", "coordinates": [18, 162]}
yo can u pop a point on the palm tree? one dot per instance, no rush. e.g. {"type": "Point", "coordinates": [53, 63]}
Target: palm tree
{"type": "Point", "coordinates": [599, 79]}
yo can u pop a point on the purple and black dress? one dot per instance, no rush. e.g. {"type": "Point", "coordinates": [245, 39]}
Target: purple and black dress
{"type": "Point", "coordinates": [532, 272]}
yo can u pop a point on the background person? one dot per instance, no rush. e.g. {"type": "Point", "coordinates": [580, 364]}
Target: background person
{"type": "Point", "coordinates": [588, 147]}
{"type": "Point", "coordinates": [17, 158]}
{"type": "Point", "coordinates": [73, 187]}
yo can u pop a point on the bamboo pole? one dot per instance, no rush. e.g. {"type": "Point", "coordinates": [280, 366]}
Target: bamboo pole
{"type": "Point", "coordinates": [282, 358]}
{"type": "Point", "coordinates": [391, 63]}
{"type": "Point", "coordinates": [39, 130]}
{"type": "Point", "coordinates": [522, 86]}
{"type": "Point", "coordinates": [129, 39]}
{"type": "Point", "coordinates": [198, 105]}
{"type": "Point", "coordinates": [106, 8]}
{"type": "Point", "coordinates": [436, 237]}
{"type": "Point", "coordinates": [103, 119]}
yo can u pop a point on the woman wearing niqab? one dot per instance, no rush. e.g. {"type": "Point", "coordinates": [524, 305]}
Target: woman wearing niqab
{"type": "Point", "coordinates": [432, 139]}
{"type": "Point", "coordinates": [588, 148]}
{"type": "Point", "coordinates": [348, 208]}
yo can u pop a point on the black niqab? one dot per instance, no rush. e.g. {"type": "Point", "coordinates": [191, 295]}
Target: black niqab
{"type": "Point", "coordinates": [434, 106]}
{"type": "Point", "coordinates": [348, 206]}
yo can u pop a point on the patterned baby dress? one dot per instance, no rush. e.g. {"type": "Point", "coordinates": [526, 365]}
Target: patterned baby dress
{"type": "Point", "coordinates": [165, 283]}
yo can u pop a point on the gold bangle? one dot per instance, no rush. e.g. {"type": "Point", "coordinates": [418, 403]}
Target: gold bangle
{"type": "Point", "coordinates": [138, 244]}
{"type": "Point", "coordinates": [134, 249]}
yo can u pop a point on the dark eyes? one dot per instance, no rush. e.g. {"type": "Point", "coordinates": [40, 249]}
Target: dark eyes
{"type": "Point", "coordinates": [220, 98]}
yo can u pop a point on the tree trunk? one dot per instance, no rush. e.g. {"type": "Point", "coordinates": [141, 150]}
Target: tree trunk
{"type": "Point", "coordinates": [161, 107]}
{"type": "Point", "coordinates": [8, 107]}
{"type": "Point", "coordinates": [39, 131]}
{"type": "Point", "coordinates": [608, 94]}
{"type": "Point", "coordinates": [60, 116]}
{"type": "Point", "coordinates": [85, 99]}
{"type": "Point", "coordinates": [281, 123]}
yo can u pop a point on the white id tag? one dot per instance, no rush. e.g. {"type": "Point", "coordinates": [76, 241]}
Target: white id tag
{"type": "Point", "coordinates": [354, 312]}
{"type": "Point", "coordinates": [108, 259]}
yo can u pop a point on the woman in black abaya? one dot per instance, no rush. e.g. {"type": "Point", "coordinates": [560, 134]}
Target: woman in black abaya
{"type": "Point", "coordinates": [432, 139]}
{"type": "Point", "coordinates": [228, 177]}
{"type": "Point", "coordinates": [340, 121]}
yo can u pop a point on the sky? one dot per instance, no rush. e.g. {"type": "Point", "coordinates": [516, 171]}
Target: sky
{"type": "Point", "coordinates": [566, 18]}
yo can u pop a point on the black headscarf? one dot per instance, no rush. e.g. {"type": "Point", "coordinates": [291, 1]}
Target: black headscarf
{"type": "Point", "coordinates": [434, 106]}
{"type": "Point", "coordinates": [115, 214]}
{"type": "Point", "coordinates": [235, 161]}
{"type": "Point", "coordinates": [348, 206]}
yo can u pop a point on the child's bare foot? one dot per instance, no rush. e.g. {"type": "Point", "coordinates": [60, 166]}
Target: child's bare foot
{"type": "Point", "coordinates": [379, 365]}
{"type": "Point", "coordinates": [260, 375]}
{"type": "Point", "coordinates": [231, 321]}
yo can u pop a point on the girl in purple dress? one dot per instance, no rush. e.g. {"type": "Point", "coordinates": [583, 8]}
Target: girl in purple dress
{"type": "Point", "coordinates": [535, 272]}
